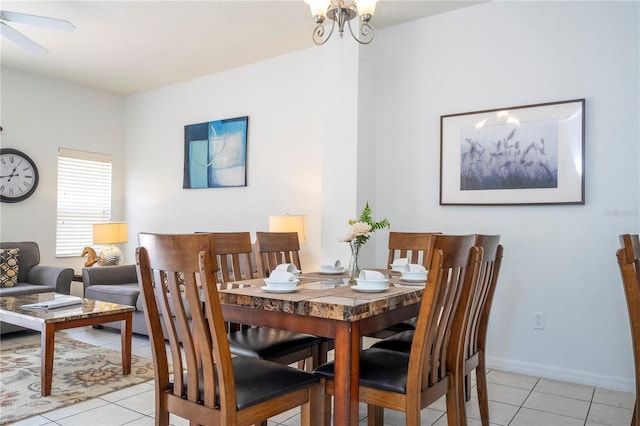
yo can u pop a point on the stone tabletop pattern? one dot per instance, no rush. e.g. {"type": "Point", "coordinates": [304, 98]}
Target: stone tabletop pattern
{"type": "Point", "coordinates": [326, 297]}
{"type": "Point", "coordinates": [89, 308]}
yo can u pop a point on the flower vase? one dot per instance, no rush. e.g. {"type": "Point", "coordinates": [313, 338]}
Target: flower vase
{"type": "Point", "coordinates": [354, 268]}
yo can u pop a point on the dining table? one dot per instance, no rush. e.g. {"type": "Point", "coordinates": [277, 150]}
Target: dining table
{"type": "Point", "coordinates": [327, 305]}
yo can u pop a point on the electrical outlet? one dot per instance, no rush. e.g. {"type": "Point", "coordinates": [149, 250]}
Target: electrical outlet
{"type": "Point", "coordinates": [538, 320]}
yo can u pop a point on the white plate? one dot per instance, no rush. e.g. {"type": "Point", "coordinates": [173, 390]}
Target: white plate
{"type": "Point", "coordinates": [369, 290]}
{"type": "Point", "coordinates": [414, 280]}
{"type": "Point", "coordinates": [268, 281]}
{"type": "Point", "coordinates": [332, 271]}
{"type": "Point", "coordinates": [279, 290]}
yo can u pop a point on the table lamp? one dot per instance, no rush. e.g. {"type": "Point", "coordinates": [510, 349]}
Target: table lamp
{"type": "Point", "coordinates": [110, 233]}
{"type": "Point", "coordinates": [290, 223]}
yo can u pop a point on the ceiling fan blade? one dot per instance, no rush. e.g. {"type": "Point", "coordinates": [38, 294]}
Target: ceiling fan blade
{"type": "Point", "coordinates": [23, 18]}
{"type": "Point", "coordinates": [21, 40]}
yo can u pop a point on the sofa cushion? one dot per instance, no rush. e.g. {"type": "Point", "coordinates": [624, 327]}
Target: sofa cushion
{"type": "Point", "coordinates": [25, 288]}
{"type": "Point", "coordinates": [29, 256]}
{"type": "Point", "coordinates": [9, 267]}
{"type": "Point", "coordinates": [124, 294]}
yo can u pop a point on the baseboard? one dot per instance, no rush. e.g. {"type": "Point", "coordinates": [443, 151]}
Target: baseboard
{"type": "Point", "coordinates": [566, 375]}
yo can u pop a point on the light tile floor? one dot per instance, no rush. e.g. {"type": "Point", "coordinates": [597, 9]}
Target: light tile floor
{"type": "Point", "coordinates": [515, 399]}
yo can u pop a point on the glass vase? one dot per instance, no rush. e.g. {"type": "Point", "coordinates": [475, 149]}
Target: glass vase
{"type": "Point", "coordinates": [354, 268]}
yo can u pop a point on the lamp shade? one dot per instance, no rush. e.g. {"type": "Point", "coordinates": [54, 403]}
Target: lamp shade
{"type": "Point", "coordinates": [290, 223]}
{"type": "Point", "coordinates": [366, 7]}
{"type": "Point", "coordinates": [110, 233]}
{"type": "Point", "coordinates": [318, 7]}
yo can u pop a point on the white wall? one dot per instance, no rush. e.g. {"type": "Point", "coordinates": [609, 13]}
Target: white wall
{"type": "Point", "coordinates": [300, 147]}
{"type": "Point", "coordinates": [40, 115]}
{"type": "Point", "coordinates": [559, 260]}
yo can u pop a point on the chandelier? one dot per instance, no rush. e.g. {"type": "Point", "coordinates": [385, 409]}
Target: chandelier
{"type": "Point", "coordinates": [342, 11]}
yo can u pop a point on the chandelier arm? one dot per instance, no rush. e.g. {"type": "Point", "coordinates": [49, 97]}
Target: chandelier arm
{"type": "Point", "coordinates": [319, 32]}
{"type": "Point", "coordinates": [365, 30]}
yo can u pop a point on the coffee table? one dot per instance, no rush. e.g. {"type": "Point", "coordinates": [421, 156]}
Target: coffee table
{"type": "Point", "coordinates": [47, 322]}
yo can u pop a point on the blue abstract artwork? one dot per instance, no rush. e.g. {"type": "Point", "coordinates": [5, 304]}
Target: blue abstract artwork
{"type": "Point", "coordinates": [215, 154]}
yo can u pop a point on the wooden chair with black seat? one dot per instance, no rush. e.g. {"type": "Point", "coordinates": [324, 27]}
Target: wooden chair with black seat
{"type": "Point", "coordinates": [233, 251]}
{"type": "Point", "coordinates": [411, 381]}
{"type": "Point", "coordinates": [476, 318]}
{"type": "Point", "coordinates": [478, 321]}
{"type": "Point", "coordinates": [417, 247]}
{"type": "Point", "coordinates": [209, 387]}
{"type": "Point", "coordinates": [275, 248]}
{"type": "Point", "coordinates": [629, 263]}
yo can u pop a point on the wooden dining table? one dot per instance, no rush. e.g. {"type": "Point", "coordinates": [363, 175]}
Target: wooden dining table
{"type": "Point", "coordinates": [326, 305]}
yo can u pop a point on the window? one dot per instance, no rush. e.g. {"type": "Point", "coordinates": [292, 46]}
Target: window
{"type": "Point", "coordinates": [84, 198]}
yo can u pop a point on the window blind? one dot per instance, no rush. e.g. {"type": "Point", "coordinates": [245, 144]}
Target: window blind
{"type": "Point", "coordinates": [84, 198]}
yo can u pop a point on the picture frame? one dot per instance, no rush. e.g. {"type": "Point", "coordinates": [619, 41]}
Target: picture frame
{"type": "Point", "coordinates": [215, 154]}
{"type": "Point", "coordinates": [530, 154]}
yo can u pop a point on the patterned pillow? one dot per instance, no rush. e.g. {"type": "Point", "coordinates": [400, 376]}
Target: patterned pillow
{"type": "Point", "coordinates": [9, 267]}
{"type": "Point", "coordinates": [165, 281]}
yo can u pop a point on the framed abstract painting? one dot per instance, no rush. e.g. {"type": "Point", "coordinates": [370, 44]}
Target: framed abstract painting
{"type": "Point", "coordinates": [532, 154]}
{"type": "Point", "coordinates": [215, 154]}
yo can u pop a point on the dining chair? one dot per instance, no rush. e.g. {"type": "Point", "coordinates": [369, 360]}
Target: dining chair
{"type": "Point", "coordinates": [411, 381]}
{"type": "Point", "coordinates": [177, 274]}
{"type": "Point", "coordinates": [233, 251]}
{"type": "Point", "coordinates": [274, 248]}
{"type": "Point", "coordinates": [417, 247]}
{"type": "Point", "coordinates": [477, 318]}
{"type": "Point", "coordinates": [629, 263]}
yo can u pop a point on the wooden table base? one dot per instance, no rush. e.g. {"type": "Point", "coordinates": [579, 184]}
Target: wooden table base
{"type": "Point", "coordinates": [48, 335]}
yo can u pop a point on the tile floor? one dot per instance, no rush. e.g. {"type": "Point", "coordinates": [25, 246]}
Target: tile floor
{"type": "Point", "coordinates": [515, 399]}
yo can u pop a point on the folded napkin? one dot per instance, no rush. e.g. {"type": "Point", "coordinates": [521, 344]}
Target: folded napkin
{"type": "Point", "coordinates": [331, 265]}
{"type": "Point", "coordinates": [401, 264]}
{"type": "Point", "coordinates": [413, 267]}
{"type": "Point", "coordinates": [289, 267]}
{"type": "Point", "coordinates": [371, 275]}
{"type": "Point", "coordinates": [279, 275]}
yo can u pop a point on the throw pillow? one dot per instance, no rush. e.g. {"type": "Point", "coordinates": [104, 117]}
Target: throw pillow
{"type": "Point", "coordinates": [9, 267]}
{"type": "Point", "coordinates": [165, 281]}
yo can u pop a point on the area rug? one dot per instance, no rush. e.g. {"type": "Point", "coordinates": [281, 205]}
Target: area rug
{"type": "Point", "coordinates": [80, 371]}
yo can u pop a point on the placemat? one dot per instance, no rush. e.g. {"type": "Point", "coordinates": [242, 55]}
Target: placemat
{"type": "Point", "coordinates": [299, 295]}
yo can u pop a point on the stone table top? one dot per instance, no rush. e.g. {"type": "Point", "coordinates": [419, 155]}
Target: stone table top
{"type": "Point", "coordinates": [12, 305]}
{"type": "Point", "coordinates": [324, 297]}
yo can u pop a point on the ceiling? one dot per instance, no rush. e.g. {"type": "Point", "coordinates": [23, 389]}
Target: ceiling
{"type": "Point", "coordinates": [126, 47]}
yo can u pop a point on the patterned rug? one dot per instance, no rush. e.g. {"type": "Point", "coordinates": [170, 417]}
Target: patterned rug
{"type": "Point", "coordinates": [80, 371]}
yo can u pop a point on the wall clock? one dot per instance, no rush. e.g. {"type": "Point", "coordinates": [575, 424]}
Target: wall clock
{"type": "Point", "coordinates": [18, 176]}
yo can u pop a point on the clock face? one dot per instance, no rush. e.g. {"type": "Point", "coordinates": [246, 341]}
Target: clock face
{"type": "Point", "coordinates": [18, 176]}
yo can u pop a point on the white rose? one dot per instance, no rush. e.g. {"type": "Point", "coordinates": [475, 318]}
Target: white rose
{"type": "Point", "coordinates": [361, 228]}
{"type": "Point", "coordinates": [347, 238]}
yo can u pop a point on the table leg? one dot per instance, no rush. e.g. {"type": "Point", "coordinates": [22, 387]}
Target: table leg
{"type": "Point", "coordinates": [126, 331]}
{"type": "Point", "coordinates": [347, 372]}
{"type": "Point", "coordinates": [47, 340]}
